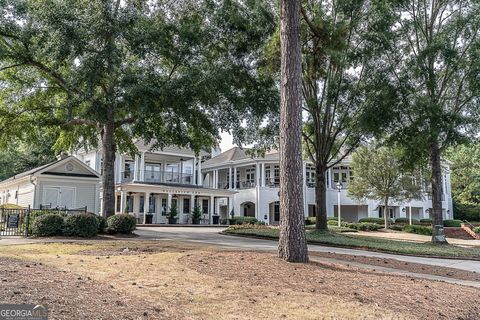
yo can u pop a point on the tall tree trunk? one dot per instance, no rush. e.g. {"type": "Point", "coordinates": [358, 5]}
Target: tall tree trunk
{"type": "Point", "coordinates": [108, 167]}
{"type": "Point", "coordinates": [292, 245]}
{"type": "Point", "coordinates": [438, 236]}
{"type": "Point", "coordinates": [386, 213]}
{"type": "Point", "coordinates": [320, 197]}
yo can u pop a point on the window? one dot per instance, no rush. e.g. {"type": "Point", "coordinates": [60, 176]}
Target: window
{"type": "Point", "coordinates": [129, 204]}
{"type": "Point", "coordinates": [344, 177]}
{"type": "Point", "coordinates": [128, 170]}
{"type": "Point", "coordinates": [336, 175]}
{"type": "Point", "coordinates": [310, 175]}
{"type": "Point", "coordinates": [119, 201]}
{"type": "Point", "coordinates": [205, 206]}
{"type": "Point", "coordinates": [152, 172]}
{"type": "Point", "coordinates": [151, 204]}
{"type": "Point", "coordinates": [186, 205]}
{"type": "Point", "coordinates": [250, 175]}
{"type": "Point", "coordinates": [142, 204]}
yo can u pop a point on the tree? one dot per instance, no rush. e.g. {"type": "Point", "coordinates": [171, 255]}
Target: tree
{"type": "Point", "coordinates": [432, 60]}
{"type": "Point", "coordinates": [465, 173]}
{"type": "Point", "coordinates": [340, 45]}
{"type": "Point", "coordinates": [107, 72]}
{"type": "Point", "coordinates": [379, 176]}
{"type": "Point", "coordinates": [292, 243]}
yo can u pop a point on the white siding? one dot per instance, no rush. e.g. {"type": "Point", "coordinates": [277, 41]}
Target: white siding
{"type": "Point", "coordinates": [86, 193]}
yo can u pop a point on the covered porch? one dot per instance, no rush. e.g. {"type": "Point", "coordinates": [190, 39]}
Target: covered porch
{"type": "Point", "coordinates": [150, 204]}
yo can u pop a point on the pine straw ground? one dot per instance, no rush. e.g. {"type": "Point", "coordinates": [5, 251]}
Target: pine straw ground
{"type": "Point", "coordinates": [163, 280]}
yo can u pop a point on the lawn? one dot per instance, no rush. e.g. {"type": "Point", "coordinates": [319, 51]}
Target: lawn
{"type": "Point", "coordinates": [171, 280]}
{"type": "Point", "coordinates": [366, 243]}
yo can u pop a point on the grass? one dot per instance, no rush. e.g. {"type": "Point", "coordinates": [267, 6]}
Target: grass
{"type": "Point", "coordinates": [368, 243]}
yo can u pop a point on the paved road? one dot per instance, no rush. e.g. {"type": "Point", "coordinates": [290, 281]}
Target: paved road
{"type": "Point", "coordinates": [210, 235]}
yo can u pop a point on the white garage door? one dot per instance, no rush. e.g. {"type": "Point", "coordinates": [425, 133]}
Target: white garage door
{"type": "Point", "coordinates": [59, 197]}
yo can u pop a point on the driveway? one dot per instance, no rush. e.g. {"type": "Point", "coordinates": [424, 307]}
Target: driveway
{"type": "Point", "coordinates": [211, 236]}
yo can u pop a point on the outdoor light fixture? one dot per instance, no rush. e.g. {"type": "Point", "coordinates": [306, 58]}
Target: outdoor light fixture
{"type": "Point", "coordinates": [339, 188]}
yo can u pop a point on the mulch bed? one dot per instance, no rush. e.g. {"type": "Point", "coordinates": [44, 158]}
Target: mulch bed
{"type": "Point", "coordinates": [422, 299]}
{"type": "Point", "coordinates": [67, 295]}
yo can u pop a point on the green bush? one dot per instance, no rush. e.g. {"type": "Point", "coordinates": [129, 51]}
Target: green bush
{"type": "Point", "coordinates": [310, 221]}
{"type": "Point", "coordinates": [397, 227]}
{"type": "Point", "coordinates": [476, 230]}
{"type": "Point", "coordinates": [102, 224]}
{"type": "Point", "coordinates": [47, 225]}
{"type": "Point", "coordinates": [379, 221]}
{"type": "Point", "coordinates": [239, 220]}
{"type": "Point", "coordinates": [334, 219]}
{"type": "Point", "coordinates": [464, 212]}
{"type": "Point", "coordinates": [83, 225]}
{"type": "Point", "coordinates": [34, 214]}
{"type": "Point", "coordinates": [363, 226]}
{"type": "Point", "coordinates": [423, 230]}
{"type": "Point", "coordinates": [452, 223]}
{"type": "Point", "coordinates": [426, 221]}
{"type": "Point", "coordinates": [121, 223]}
{"type": "Point", "coordinates": [332, 222]}
{"type": "Point", "coordinates": [406, 221]}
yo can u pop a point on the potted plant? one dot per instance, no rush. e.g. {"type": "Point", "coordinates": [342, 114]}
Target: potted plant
{"type": "Point", "coordinates": [172, 214]}
{"type": "Point", "coordinates": [196, 215]}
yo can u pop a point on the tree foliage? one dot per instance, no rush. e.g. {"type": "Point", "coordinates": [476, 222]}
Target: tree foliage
{"type": "Point", "coordinates": [108, 72]}
{"type": "Point", "coordinates": [379, 176]}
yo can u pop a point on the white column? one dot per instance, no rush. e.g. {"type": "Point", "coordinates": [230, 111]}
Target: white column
{"type": "Point", "coordinates": [230, 206]}
{"type": "Point", "coordinates": [136, 168]}
{"type": "Point", "coordinates": [329, 182]}
{"type": "Point", "coordinates": [146, 203]}
{"type": "Point", "coordinates": [216, 179]}
{"type": "Point", "coordinates": [262, 183]}
{"type": "Point", "coordinates": [212, 208]}
{"type": "Point", "coordinates": [194, 171]}
{"type": "Point", "coordinates": [192, 203]}
{"type": "Point", "coordinates": [180, 177]}
{"type": "Point", "coordinates": [180, 209]}
{"type": "Point", "coordinates": [230, 180]}
{"type": "Point", "coordinates": [235, 178]}
{"type": "Point", "coordinates": [141, 175]}
{"type": "Point", "coordinates": [199, 172]}
{"type": "Point", "coordinates": [410, 213]}
{"type": "Point", "coordinates": [122, 201]}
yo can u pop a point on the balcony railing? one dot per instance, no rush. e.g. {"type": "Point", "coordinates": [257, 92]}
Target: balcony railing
{"type": "Point", "coordinates": [151, 176]}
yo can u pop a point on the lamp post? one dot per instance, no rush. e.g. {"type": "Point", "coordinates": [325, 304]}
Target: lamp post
{"type": "Point", "coordinates": [339, 189]}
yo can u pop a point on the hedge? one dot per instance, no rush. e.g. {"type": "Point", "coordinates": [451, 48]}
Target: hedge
{"type": "Point", "coordinates": [476, 230]}
{"type": "Point", "coordinates": [310, 221]}
{"type": "Point", "coordinates": [406, 221]}
{"type": "Point", "coordinates": [426, 221]}
{"type": "Point", "coordinates": [423, 230]}
{"type": "Point", "coordinates": [121, 223]}
{"type": "Point", "coordinates": [364, 226]}
{"type": "Point", "coordinates": [47, 225]}
{"type": "Point", "coordinates": [102, 224]}
{"type": "Point", "coordinates": [83, 225]}
{"type": "Point", "coordinates": [243, 220]}
{"type": "Point", "coordinates": [452, 223]}
{"type": "Point", "coordinates": [379, 221]}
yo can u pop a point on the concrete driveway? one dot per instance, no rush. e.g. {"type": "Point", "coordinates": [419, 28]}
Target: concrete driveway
{"type": "Point", "coordinates": [211, 236]}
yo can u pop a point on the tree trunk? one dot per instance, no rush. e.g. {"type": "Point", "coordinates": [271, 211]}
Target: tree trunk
{"type": "Point", "coordinates": [320, 198]}
{"type": "Point", "coordinates": [438, 235]}
{"type": "Point", "coordinates": [108, 167]}
{"type": "Point", "coordinates": [292, 245]}
{"type": "Point", "coordinates": [386, 213]}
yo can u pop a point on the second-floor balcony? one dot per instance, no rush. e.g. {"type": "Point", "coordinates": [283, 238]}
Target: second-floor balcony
{"type": "Point", "coordinates": [160, 177]}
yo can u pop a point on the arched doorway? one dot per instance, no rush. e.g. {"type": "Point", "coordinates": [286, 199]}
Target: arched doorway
{"type": "Point", "coordinates": [247, 209]}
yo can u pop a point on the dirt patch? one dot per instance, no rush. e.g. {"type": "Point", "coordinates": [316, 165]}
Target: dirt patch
{"type": "Point", "coordinates": [419, 299]}
{"type": "Point", "coordinates": [401, 265]}
{"type": "Point", "coordinates": [68, 295]}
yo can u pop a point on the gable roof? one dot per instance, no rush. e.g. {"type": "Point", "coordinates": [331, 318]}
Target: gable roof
{"type": "Point", "coordinates": [232, 154]}
{"type": "Point", "coordinates": [44, 169]}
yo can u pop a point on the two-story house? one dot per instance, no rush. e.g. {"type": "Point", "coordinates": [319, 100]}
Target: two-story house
{"type": "Point", "coordinates": [150, 183]}
{"type": "Point", "coordinates": [256, 182]}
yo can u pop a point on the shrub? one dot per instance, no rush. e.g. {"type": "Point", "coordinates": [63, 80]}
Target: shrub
{"type": "Point", "coordinates": [452, 223]}
{"type": "Point", "coordinates": [239, 220]}
{"type": "Point", "coordinates": [379, 221]}
{"type": "Point", "coordinates": [121, 223]}
{"type": "Point", "coordinates": [397, 227]}
{"type": "Point", "coordinates": [173, 212]}
{"type": "Point", "coordinates": [102, 224]}
{"type": "Point", "coordinates": [476, 230]}
{"type": "Point", "coordinates": [197, 213]}
{"type": "Point", "coordinates": [332, 222]}
{"type": "Point", "coordinates": [83, 225]}
{"type": "Point", "coordinates": [364, 226]}
{"type": "Point", "coordinates": [334, 219]}
{"type": "Point", "coordinates": [423, 230]}
{"type": "Point", "coordinates": [426, 221]}
{"type": "Point", "coordinates": [47, 225]}
{"type": "Point", "coordinates": [310, 221]}
{"type": "Point", "coordinates": [406, 221]}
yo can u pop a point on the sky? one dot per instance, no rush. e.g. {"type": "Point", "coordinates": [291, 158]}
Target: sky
{"type": "Point", "coordinates": [227, 141]}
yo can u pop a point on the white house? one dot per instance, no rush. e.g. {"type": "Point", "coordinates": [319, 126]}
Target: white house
{"type": "Point", "coordinates": [66, 182]}
{"type": "Point", "coordinates": [256, 182]}
{"type": "Point", "coordinates": [148, 184]}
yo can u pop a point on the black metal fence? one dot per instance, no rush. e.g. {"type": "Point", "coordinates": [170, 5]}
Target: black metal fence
{"type": "Point", "coordinates": [16, 222]}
